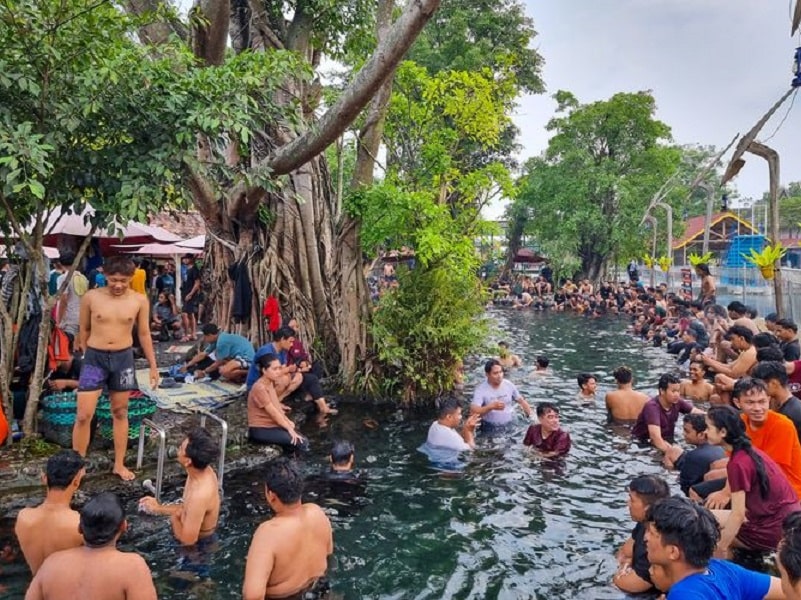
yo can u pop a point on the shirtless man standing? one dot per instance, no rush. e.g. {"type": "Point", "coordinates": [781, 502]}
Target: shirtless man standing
{"type": "Point", "coordinates": [288, 555]}
{"type": "Point", "coordinates": [196, 517]}
{"type": "Point", "coordinates": [696, 388]}
{"type": "Point", "coordinates": [108, 315]}
{"type": "Point", "coordinates": [53, 525]}
{"type": "Point", "coordinates": [97, 570]}
{"type": "Point", "coordinates": [624, 404]}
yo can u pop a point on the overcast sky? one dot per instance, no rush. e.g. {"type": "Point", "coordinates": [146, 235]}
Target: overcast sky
{"type": "Point", "coordinates": [714, 67]}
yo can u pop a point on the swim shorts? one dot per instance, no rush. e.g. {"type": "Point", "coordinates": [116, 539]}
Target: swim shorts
{"type": "Point", "coordinates": [191, 305]}
{"type": "Point", "coordinates": [243, 362]}
{"type": "Point", "coordinates": [319, 590]}
{"type": "Point", "coordinates": [108, 368]}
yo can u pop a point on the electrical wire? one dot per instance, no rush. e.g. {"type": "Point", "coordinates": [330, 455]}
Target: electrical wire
{"type": "Point", "coordinates": [787, 114]}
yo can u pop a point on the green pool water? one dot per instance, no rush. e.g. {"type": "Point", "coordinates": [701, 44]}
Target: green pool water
{"type": "Point", "coordinates": [507, 526]}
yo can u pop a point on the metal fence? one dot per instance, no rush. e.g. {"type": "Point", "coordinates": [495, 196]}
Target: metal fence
{"type": "Point", "coordinates": [745, 284]}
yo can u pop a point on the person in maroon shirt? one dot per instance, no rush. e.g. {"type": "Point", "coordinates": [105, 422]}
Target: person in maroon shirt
{"type": "Point", "coordinates": [657, 421]}
{"type": "Point", "coordinates": [547, 438]}
{"type": "Point", "coordinates": [761, 496]}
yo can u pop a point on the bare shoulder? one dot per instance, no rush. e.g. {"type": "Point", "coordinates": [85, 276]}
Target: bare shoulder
{"type": "Point", "coordinates": [313, 511]}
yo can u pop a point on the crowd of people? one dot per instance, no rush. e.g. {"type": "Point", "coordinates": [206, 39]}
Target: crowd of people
{"type": "Point", "coordinates": [739, 467]}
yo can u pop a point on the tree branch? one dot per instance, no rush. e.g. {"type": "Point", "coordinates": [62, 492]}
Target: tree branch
{"type": "Point", "coordinates": [380, 66]}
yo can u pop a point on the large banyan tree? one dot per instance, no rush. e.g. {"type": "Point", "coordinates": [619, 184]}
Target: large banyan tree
{"type": "Point", "coordinates": [275, 209]}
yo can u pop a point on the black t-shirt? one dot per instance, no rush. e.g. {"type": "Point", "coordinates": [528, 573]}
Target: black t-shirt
{"type": "Point", "coordinates": [792, 410]}
{"type": "Point", "coordinates": [791, 350]}
{"type": "Point", "coordinates": [639, 559]}
{"type": "Point", "coordinates": [693, 465]}
{"type": "Point", "coordinates": [192, 275]}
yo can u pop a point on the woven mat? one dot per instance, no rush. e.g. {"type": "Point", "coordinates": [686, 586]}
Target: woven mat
{"type": "Point", "coordinates": [190, 397]}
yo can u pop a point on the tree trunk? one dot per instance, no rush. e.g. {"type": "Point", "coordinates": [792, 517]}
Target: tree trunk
{"type": "Point", "coordinates": [298, 254]}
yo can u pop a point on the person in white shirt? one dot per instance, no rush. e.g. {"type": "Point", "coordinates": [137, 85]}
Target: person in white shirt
{"type": "Point", "coordinates": [443, 434]}
{"type": "Point", "coordinates": [493, 399]}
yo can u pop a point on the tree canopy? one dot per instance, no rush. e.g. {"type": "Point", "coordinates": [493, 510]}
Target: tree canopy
{"type": "Point", "coordinates": [587, 195]}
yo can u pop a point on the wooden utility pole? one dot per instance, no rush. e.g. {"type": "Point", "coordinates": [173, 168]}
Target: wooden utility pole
{"type": "Point", "coordinates": [770, 155]}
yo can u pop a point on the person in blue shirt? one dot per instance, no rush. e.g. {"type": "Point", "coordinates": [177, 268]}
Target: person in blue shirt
{"type": "Point", "coordinates": [681, 538]}
{"type": "Point", "coordinates": [233, 354]}
{"type": "Point", "coordinates": [290, 377]}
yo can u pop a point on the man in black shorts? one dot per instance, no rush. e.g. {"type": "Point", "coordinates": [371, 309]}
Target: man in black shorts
{"type": "Point", "coordinates": [108, 315]}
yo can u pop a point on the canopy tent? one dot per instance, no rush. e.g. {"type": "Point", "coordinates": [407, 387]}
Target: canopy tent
{"type": "Point", "coordinates": [50, 252]}
{"type": "Point", "coordinates": [60, 223]}
{"type": "Point", "coordinates": [199, 241]}
{"type": "Point", "coordinates": [527, 255]}
{"type": "Point", "coordinates": [157, 249]}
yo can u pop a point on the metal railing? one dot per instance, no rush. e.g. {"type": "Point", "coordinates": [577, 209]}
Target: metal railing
{"type": "Point", "coordinates": [223, 440]}
{"type": "Point", "coordinates": [140, 454]}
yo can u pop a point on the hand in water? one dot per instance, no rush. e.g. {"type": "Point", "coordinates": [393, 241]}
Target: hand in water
{"type": "Point", "coordinates": [148, 505]}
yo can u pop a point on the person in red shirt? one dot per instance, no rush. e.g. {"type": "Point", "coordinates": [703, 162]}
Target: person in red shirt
{"type": "Point", "coordinates": [761, 496]}
{"type": "Point", "coordinates": [546, 437]}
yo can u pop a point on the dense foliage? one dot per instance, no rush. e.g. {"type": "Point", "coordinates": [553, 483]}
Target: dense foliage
{"type": "Point", "coordinates": [587, 195]}
{"type": "Point", "coordinates": [88, 115]}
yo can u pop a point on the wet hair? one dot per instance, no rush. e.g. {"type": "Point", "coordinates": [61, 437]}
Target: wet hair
{"type": "Point", "coordinates": [771, 318]}
{"type": "Point", "coordinates": [751, 312]}
{"type": "Point", "coordinates": [544, 407]}
{"type": "Point", "coordinates": [447, 406]}
{"type": "Point", "coordinates": [542, 361]}
{"type": "Point", "coordinates": [716, 310]}
{"type": "Point", "coordinates": [666, 380]}
{"type": "Point", "coordinates": [66, 260]}
{"type": "Point", "coordinates": [210, 329]}
{"type": "Point", "coordinates": [265, 360]}
{"type": "Point", "coordinates": [101, 519]}
{"type": "Point", "coordinates": [583, 378]}
{"type": "Point", "coordinates": [742, 331]}
{"type": "Point", "coordinates": [690, 526]}
{"type": "Point", "coordinates": [623, 374]}
{"type": "Point", "coordinates": [650, 488]}
{"type": "Point", "coordinates": [119, 265]}
{"type": "Point", "coordinates": [770, 370]}
{"type": "Point", "coordinates": [770, 353]}
{"type": "Point", "coordinates": [201, 448]}
{"type": "Point", "coordinates": [341, 452]}
{"type": "Point", "coordinates": [727, 417]}
{"type": "Point", "coordinates": [790, 547]}
{"type": "Point", "coordinates": [282, 477]}
{"type": "Point", "coordinates": [703, 268]}
{"type": "Point", "coordinates": [697, 421]}
{"type": "Point", "coordinates": [737, 307]}
{"type": "Point", "coordinates": [503, 345]}
{"type": "Point", "coordinates": [700, 363]}
{"type": "Point", "coordinates": [490, 364]}
{"type": "Point", "coordinates": [787, 324]}
{"type": "Point", "coordinates": [765, 339]}
{"type": "Point", "coordinates": [746, 384]}
{"type": "Point", "coordinates": [62, 468]}
{"type": "Point", "coordinates": [283, 333]}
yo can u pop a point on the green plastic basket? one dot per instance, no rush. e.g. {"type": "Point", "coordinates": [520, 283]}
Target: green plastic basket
{"type": "Point", "coordinates": [139, 407]}
{"type": "Point", "coordinates": [58, 416]}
